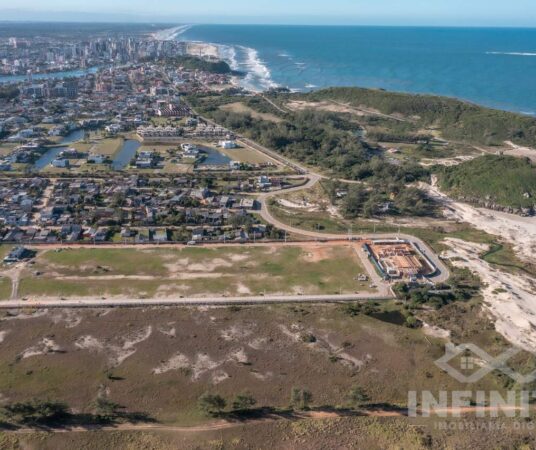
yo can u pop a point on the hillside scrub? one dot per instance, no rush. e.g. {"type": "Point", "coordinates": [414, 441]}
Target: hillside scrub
{"type": "Point", "coordinates": [457, 120]}
{"type": "Point", "coordinates": [492, 180]}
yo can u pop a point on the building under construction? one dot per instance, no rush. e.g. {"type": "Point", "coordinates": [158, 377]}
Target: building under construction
{"type": "Point", "coordinates": [399, 259]}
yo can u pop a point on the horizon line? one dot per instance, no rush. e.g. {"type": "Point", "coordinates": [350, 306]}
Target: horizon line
{"type": "Point", "coordinates": [275, 24]}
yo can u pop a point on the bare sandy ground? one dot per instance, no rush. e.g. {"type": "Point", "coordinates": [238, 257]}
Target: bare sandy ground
{"type": "Point", "coordinates": [511, 299]}
{"type": "Point", "coordinates": [519, 151]}
{"type": "Point", "coordinates": [517, 230]}
{"type": "Point", "coordinates": [448, 162]}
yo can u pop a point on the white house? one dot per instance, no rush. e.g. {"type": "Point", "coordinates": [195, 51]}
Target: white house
{"type": "Point", "coordinates": [62, 163]}
{"type": "Point", "coordinates": [228, 144]}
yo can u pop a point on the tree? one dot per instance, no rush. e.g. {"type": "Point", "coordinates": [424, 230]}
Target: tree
{"type": "Point", "coordinates": [357, 396]}
{"type": "Point", "coordinates": [105, 410]}
{"type": "Point", "coordinates": [35, 412]}
{"type": "Point", "coordinates": [244, 401]}
{"type": "Point", "coordinates": [300, 398]}
{"type": "Point", "coordinates": [211, 404]}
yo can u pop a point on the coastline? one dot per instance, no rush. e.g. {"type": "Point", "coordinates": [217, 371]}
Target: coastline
{"type": "Point", "coordinates": [370, 57]}
{"type": "Point", "coordinates": [258, 76]}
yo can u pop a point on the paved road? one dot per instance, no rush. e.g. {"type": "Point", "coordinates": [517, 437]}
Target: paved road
{"type": "Point", "coordinates": [441, 276]}
{"type": "Point", "coordinates": [207, 301]}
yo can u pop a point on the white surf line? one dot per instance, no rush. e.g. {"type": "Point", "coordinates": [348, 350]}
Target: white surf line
{"type": "Point", "coordinates": [512, 53]}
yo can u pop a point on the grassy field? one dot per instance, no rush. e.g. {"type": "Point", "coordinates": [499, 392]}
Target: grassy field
{"type": "Point", "coordinates": [5, 288]}
{"type": "Point", "coordinates": [307, 269]}
{"type": "Point", "coordinates": [246, 155]}
{"type": "Point", "coordinates": [108, 146]}
{"type": "Point", "coordinates": [239, 107]}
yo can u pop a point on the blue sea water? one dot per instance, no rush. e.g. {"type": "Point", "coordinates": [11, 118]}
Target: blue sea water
{"type": "Point", "coordinates": [492, 67]}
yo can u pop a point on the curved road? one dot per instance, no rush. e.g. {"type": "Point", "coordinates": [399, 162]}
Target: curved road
{"type": "Point", "coordinates": [441, 275]}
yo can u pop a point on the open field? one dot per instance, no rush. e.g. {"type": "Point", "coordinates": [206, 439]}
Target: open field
{"type": "Point", "coordinates": [239, 107]}
{"type": "Point", "coordinates": [107, 146]}
{"type": "Point", "coordinates": [246, 155]}
{"type": "Point", "coordinates": [159, 361]}
{"type": "Point", "coordinates": [195, 272]}
{"type": "Point", "coordinates": [5, 288]}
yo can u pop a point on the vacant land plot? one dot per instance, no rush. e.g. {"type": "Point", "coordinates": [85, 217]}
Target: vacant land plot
{"type": "Point", "coordinates": [195, 272]}
{"type": "Point", "coordinates": [108, 146]}
{"type": "Point", "coordinates": [247, 155]}
{"type": "Point", "coordinates": [159, 361]}
{"type": "Point", "coordinates": [239, 107]}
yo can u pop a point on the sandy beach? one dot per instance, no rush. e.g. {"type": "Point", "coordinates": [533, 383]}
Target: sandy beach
{"type": "Point", "coordinates": [202, 50]}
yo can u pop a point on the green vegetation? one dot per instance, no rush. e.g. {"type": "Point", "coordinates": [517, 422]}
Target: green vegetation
{"type": "Point", "coordinates": [386, 200]}
{"type": "Point", "coordinates": [357, 396]}
{"type": "Point", "coordinates": [5, 288]}
{"type": "Point", "coordinates": [456, 119]}
{"type": "Point", "coordinates": [211, 404]}
{"type": "Point", "coordinates": [148, 273]}
{"type": "Point", "coordinates": [496, 180]}
{"type": "Point", "coordinates": [244, 402]}
{"type": "Point", "coordinates": [462, 286]}
{"type": "Point", "coordinates": [34, 412]}
{"type": "Point", "coordinates": [194, 63]}
{"type": "Point", "coordinates": [300, 398]}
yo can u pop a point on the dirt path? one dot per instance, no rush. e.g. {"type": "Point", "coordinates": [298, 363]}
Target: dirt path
{"type": "Point", "coordinates": [281, 110]}
{"type": "Point", "coordinates": [297, 416]}
{"type": "Point", "coordinates": [13, 274]}
{"type": "Point", "coordinates": [371, 112]}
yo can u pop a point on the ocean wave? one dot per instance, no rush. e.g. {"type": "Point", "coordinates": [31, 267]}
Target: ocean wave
{"type": "Point", "coordinates": [512, 53]}
{"type": "Point", "coordinates": [258, 76]}
{"type": "Point", "coordinates": [246, 59]}
{"type": "Point", "coordinates": [228, 54]}
{"type": "Point", "coordinates": [311, 86]}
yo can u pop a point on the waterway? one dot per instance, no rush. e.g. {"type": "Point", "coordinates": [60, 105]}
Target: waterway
{"type": "Point", "coordinates": [214, 157]}
{"type": "Point", "coordinates": [53, 152]}
{"type": "Point", "coordinates": [125, 155]}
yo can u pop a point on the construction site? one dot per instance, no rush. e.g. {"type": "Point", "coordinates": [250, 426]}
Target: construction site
{"type": "Point", "coordinates": [399, 259]}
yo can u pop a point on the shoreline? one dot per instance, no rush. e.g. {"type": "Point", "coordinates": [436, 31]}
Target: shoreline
{"type": "Point", "coordinates": [283, 59]}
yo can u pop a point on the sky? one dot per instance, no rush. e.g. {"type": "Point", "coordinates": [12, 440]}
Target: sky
{"type": "Point", "coordinates": [333, 12]}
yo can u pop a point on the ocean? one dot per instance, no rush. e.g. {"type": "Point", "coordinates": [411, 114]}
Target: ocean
{"type": "Point", "coordinates": [491, 67]}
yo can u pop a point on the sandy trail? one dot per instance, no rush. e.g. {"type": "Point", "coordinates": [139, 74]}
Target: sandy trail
{"type": "Point", "coordinates": [511, 299]}
{"type": "Point", "coordinates": [519, 151]}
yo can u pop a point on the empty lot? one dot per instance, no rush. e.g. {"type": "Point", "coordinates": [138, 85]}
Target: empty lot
{"type": "Point", "coordinates": [308, 269]}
